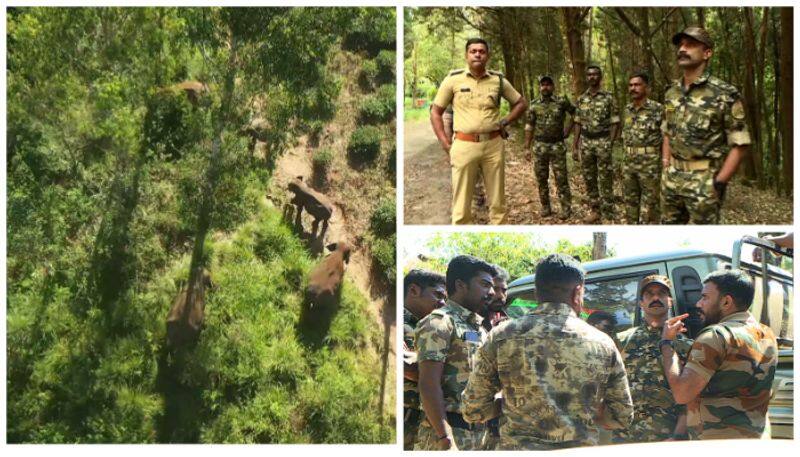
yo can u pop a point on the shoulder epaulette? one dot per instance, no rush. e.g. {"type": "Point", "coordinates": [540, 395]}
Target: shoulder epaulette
{"type": "Point", "coordinates": [727, 87]}
{"type": "Point", "coordinates": [456, 72]}
{"type": "Point", "coordinates": [495, 73]}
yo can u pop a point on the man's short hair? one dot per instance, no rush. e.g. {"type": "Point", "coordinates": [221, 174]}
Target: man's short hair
{"type": "Point", "coordinates": [595, 67]}
{"type": "Point", "coordinates": [735, 283]}
{"type": "Point", "coordinates": [640, 74]}
{"type": "Point", "coordinates": [422, 278]}
{"type": "Point", "coordinates": [556, 275]}
{"type": "Point", "coordinates": [476, 40]}
{"type": "Point", "coordinates": [599, 316]}
{"type": "Point", "coordinates": [465, 267]}
{"type": "Point", "coordinates": [502, 273]}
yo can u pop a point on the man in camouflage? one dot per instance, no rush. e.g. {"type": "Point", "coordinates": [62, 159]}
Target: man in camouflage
{"type": "Point", "coordinates": [705, 135]}
{"type": "Point", "coordinates": [559, 376]}
{"type": "Point", "coordinates": [727, 380]}
{"type": "Point", "coordinates": [423, 291]}
{"type": "Point", "coordinates": [656, 415]}
{"type": "Point", "coordinates": [546, 126]}
{"type": "Point", "coordinates": [446, 342]}
{"type": "Point", "coordinates": [597, 127]}
{"type": "Point", "coordinates": [641, 135]}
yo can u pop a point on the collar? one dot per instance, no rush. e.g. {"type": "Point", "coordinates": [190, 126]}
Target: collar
{"type": "Point", "coordinates": [551, 98]}
{"type": "Point", "coordinates": [645, 105]}
{"type": "Point", "coordinates": [462, 312]}
{"type": "Point", "coordinates": [560, 309]}
{"type": "Point", "coordinates": [702, 79]}
{"type": "Point", "coordinates": [409, 317]}
{"type": "Point", "coordinates": [469, 74]}
{"type": "Point", "coordinates": [740, 316]}
{"type": "Point", "coordinates": [599, 92]}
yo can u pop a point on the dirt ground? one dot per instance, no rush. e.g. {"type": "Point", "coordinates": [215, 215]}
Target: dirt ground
{"type": "Point", "coordinates": [427, 189]}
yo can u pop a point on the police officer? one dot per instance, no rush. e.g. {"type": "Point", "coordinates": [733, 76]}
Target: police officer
{"type": "Point", "coordinates": [726, 382]}
{"type": "Point", "coordinates": [559, 375]}
{"type": "Point", "coordinates": [597, 127]}
{"type": "Point", "coordinates": [446, 342]}
{"type": "Point", "coordinates": [424, 291]}
{"type": "Point", "coordinates": [656, 415]}
{"type": "Point", "coordinates": [641, 134]}
{"type": "Point", "coordinates": [705, 135]}
{"type": "Point", "coordinates": [546, 126]}
{"type": "Point", "coordinates": [475, 93]}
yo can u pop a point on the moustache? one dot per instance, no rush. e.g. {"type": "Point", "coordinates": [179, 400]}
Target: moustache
{"type": "Point", "coordinates": [683, 55]}
{"type": "Point", "coordinates": [655, 303]}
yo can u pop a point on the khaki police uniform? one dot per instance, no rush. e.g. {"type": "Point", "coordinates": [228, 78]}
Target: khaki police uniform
{"type": "Point", "coordinates": [476, 112]}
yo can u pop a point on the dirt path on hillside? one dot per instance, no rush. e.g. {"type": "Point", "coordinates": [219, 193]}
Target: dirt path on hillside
{"type": "Point", "coordinates": [427, 190]}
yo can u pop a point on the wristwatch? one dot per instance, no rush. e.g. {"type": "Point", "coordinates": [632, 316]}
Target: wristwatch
{"type": "Point", "coordinates": [503, 123]}
{"type": "Point", "coordinates": [662, 343]}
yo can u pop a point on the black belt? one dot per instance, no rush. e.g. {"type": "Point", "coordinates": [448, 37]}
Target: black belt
{"type": "Point", "coordinates": [411, 416]}
{"type": "Point", "coordinates": [596, 135]}
{"type": "Point", "coordinates": [457, 420]}
{"type": "Point", "coordinates": [548, 139]}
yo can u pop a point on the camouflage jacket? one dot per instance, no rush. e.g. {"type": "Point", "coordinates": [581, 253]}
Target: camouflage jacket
{"type": "Point", "coordinates": [546, 116]}
{"type": "Point", "coordinates": [738, 356]}
{"type": "Point", "coordinates": [642, 126]}
{"type": "Point", "coordinates": [705, 120]}
{"type": "Point", "coordinates": [554, 371]}
{"type": "Point", "coordinates": [410, 391]}
{"type": "Point", "coordinates": [596, 112]}
{"type": "Point", "coordinates": [655, 412]}
{"type": "Point", "coordinates": [450, 334]}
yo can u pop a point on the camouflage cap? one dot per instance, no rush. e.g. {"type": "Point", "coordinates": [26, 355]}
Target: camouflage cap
{"type": "Point", "coordinates": [543, 77]}
{"type": "Point", "coordinates": [654, 279]}
{"type": "Point", "coordinates": [698, 33]}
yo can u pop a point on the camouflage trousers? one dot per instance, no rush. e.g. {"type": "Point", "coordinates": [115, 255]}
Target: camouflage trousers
{"type": "Point", "coordinates": [641, 184]}
{"type": "Point", "coordinates": [597, 174]}
{"type": "Point", "coordinates": [688, 197]}
{"type": "Point", "coordinates": [553, 155]}
{"type": "Point", "coordinates": [465, 440]}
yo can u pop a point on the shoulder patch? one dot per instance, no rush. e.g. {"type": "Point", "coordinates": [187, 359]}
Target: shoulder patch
{"type": "Point", "coordinates": [737, 110]}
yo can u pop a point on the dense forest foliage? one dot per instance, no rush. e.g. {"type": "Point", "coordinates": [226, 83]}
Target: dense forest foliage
{"type": "Point", "coordinates": [753, 51]}
{"type": "Point", "coordinates": [131, 171]}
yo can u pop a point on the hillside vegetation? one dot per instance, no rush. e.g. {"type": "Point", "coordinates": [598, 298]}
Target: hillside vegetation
{"type": "Point", "coordinates": [123, 186]}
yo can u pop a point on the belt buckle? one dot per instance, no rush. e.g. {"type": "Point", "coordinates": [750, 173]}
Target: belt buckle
{"type": "Point", "coordinates": [484, 137]}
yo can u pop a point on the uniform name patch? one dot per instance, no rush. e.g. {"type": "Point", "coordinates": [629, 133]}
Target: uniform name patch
{"type": "Point", "coordinates": [472, 337]}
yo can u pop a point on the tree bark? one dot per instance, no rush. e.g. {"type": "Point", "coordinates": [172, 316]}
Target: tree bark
{"type": "Point", "coordinates": [786, 100]}
{"type": "Point", "coordinates": [572, 20]}
{"type": "Point", "coordinates": [599, 248]}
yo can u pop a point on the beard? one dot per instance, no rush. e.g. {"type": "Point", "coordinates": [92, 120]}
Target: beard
{"type": "Point", "coordinates": [713, 315]}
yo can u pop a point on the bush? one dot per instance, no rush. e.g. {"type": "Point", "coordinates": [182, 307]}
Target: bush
{"type": "Point", "coordinates": [380, 107]}
{"type": "Point", "coordinates": [364, 145]}
{"type": "Point", "coordinates": [383, 254]}
{"type": "Point", "coordinates": [321, 162]}
{"type": "Point", "coordinates": [385, 65]}
{"type": "Point", "coordinates": [369, 72]}
{"type": "Point", "coordinates": [384, 219]}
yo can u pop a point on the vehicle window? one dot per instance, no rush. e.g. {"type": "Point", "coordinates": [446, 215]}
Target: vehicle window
{"type": "Point", "coordinates": [521, 304]}
{"type": "Point", "coordinates": [616, 296]}
{"type": "Point", "coordinates": [778, 313]}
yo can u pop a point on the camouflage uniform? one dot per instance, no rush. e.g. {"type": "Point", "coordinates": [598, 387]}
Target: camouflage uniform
{"type": "Point", "coordinates": [411, 405]}
{"type": "Point", "coordinates": [702, 122]}
{"type": "Point", "coordinates": [450, 334]}
{"type": "Point", "coordinates": [738, 356]}
{"type": "Point", "coordinates": [596, 113]}
{"type": "Point", "coordinates": [655, 412]}
{"type": "Point", "coordinates": [641, 133]}
{"type": "Point", "coordinates": [546, 119]}
{"type": "Point", "coordinates": [555, 371]}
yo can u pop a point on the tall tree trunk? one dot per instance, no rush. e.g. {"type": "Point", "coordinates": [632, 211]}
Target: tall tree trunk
{"type": "Point", "coordinates": [787, 97]}
{"type": "Point", "coordinates": [753, 162]}
{"type": "Point", "coordinates": [599, 248]}
{"type": "Point", "coordinates": [701, 16]}
{"type": "Point", "coordinates": [572, 20]}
